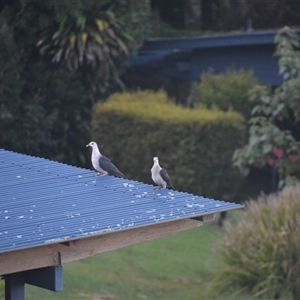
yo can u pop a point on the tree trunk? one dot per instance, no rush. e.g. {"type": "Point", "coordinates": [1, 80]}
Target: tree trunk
{"type": "Point", "coordinates": [193, 14]}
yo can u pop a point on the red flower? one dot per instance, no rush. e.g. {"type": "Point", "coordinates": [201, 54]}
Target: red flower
{"type": "Point", "coordinates": [278, 152]}
{"type": "Point", "coordinates": [293, 157]}
{"type": "Point", "coordinates": [270, 161]}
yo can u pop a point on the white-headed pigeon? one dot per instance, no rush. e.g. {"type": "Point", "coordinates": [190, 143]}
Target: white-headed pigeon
{"type": "Point", "coordinates": [102, 164]}
{"type": "Point", "coordinates": [160, 176]}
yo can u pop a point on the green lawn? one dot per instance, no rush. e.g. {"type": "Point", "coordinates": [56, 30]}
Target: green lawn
{"type": "Point", "coordinates": [174, 267]}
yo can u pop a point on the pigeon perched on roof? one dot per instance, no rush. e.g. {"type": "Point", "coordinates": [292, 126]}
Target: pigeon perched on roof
{"type": "Point", "coordinates": [102, 164]}
{"type": "Point", "coordinates": [160, 175]}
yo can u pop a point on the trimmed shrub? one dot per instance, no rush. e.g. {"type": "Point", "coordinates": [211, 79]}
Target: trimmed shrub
{"type": "Point", "coordinates": [228, 90]}
{"type": "Point", "coordinates": [260, 255]}
{"type": "Point", "coordinates": [195, 146]}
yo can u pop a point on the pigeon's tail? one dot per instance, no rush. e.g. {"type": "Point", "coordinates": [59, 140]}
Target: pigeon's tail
{"type": "Point", "coordinates": [109, 167]}
{"type": "Point", "coordinates": [171, 187]}
{"type": "Point", "coordinates": [165, 176]}
{"type": "Point", "coordinates": [119, 174]}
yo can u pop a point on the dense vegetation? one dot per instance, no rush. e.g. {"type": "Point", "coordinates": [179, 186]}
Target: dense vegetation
{"type": "Point", "coordinates": [274, 135]}
{"type": "Point", "coordinates": [57, 59]}
{"type": "Point", "coordinates": [60, 57]}
{"type": "Point", "coordinates": [260, 255]}
{"type": "Point", "coordinates": [226, 15]}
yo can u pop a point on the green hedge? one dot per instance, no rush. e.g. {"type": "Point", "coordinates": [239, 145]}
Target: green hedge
{"type": "Point", "coordinates": [195, 146]}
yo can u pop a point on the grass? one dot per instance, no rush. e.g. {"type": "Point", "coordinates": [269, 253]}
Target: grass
{"type": "Point", "coordinates": [174, 267]}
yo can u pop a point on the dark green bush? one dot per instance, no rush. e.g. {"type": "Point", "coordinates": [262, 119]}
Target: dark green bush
{"type": "Point", "coordinates": [260, 255]}
{"type": "Point", "coordinates": [195, 146]}
{"type": "Point", "coordinates": [228, 90]}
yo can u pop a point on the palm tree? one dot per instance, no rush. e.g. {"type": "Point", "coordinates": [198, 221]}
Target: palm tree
{"type": "Point", "coordinates": [95, 45]}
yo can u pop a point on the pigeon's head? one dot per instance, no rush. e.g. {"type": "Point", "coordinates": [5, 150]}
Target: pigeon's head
{"type": "Point", "coordinates": [155, 159]}
{"type": "Point", "coordinates": [92, 144]}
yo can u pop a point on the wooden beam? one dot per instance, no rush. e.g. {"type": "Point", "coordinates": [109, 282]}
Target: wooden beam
{"type": "Point", "coordinates": [54, 254]}
{"type": "Point", "coordinates": [205, 218]}
{"type": "Point", "coordinates": [49, 278]}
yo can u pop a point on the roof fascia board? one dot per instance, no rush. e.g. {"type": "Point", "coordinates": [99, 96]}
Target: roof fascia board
{"type": "Point", "coordinates": [220, 40]}
{"type": "Point", "coordinates": [45, 256]}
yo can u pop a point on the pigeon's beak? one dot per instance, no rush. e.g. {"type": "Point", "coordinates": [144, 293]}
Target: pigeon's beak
{"type": "Point", "coordinates": [87, 145]}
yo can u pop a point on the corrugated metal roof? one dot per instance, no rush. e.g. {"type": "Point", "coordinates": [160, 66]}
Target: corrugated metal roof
{"type": "Point", "coordinates": [43, 201]}
{"type": "Point", "coordinates": [157, 49]}
{"type": "Point", "coordinates": [188, 57]}
{"type": "Point", "coordinates": [239, 38]}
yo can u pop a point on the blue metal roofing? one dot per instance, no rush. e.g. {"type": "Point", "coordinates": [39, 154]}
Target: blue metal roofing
{"type": "Point", "coordinates": [241, 38]}
{"type": "Point", "coordinates": [43, 201]}
{"type": "Point", "coordinates": [156, 49]}
{"type": "Point", "coordinates": [168, 45]}
{"type": "Point", "coordinates": [188, 57]}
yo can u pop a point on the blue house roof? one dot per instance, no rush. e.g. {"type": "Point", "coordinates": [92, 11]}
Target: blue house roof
{"type": "Point", "coordinates": [46, 202]}
{"type": "Point", "coordinates": [245, 38]}
{"type": "Point", "coordinates": [188, 57]}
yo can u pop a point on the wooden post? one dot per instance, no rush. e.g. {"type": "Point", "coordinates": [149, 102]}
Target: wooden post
{"type": "Point", "coordinates": [14, 286]}
{"type": "Point", "coordinates": [50, 278]}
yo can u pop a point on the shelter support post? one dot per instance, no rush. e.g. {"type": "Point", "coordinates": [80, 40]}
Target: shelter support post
{"type": "Point", "coordinates": [14, 286]}
{"type": "Point", "coordinates": [50, 278]}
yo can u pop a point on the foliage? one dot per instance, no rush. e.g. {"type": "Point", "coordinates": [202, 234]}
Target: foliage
{"type": "Point", "coordinates": [136, 19]}
{"type": "Point", "coordinates": [228, 15]}
{"type": "Point", "coordinates": [37, 118]}
{"type": "Point", "coordinates": [69, 131]}
{"type": "Point", "coordinates": [93, 42]}
{"type": "Point", "coordinates": [228, 90]}
{"type": "Point", "coordinates": [260, 255]}
{"type": "Point", "coordinates": [161, 29]}
{"type": "Point", "coordinates": [22, 123]}
{"type": "Point", "coordinates": [274, 135]}
{"type": "Point", "coordinates": [232, 15]}
{"type": "Point", "coordinates": [195, 146]}
{"type": "Point", "coordinates": [45, 107]}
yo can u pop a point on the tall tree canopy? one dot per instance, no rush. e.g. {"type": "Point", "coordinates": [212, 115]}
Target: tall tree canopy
{"type": "Point", "coordinates": [224, 15]}
{"type": "Point", "coordinates": [57, 59]}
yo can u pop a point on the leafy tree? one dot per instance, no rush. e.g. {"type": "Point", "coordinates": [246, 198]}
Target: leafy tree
{"type": "Point", "coordinates": [45, 105]}
{"type": "Point", "coordinates": [274, 131]}
{"type": "Point", "coordinates": [265, 14]}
